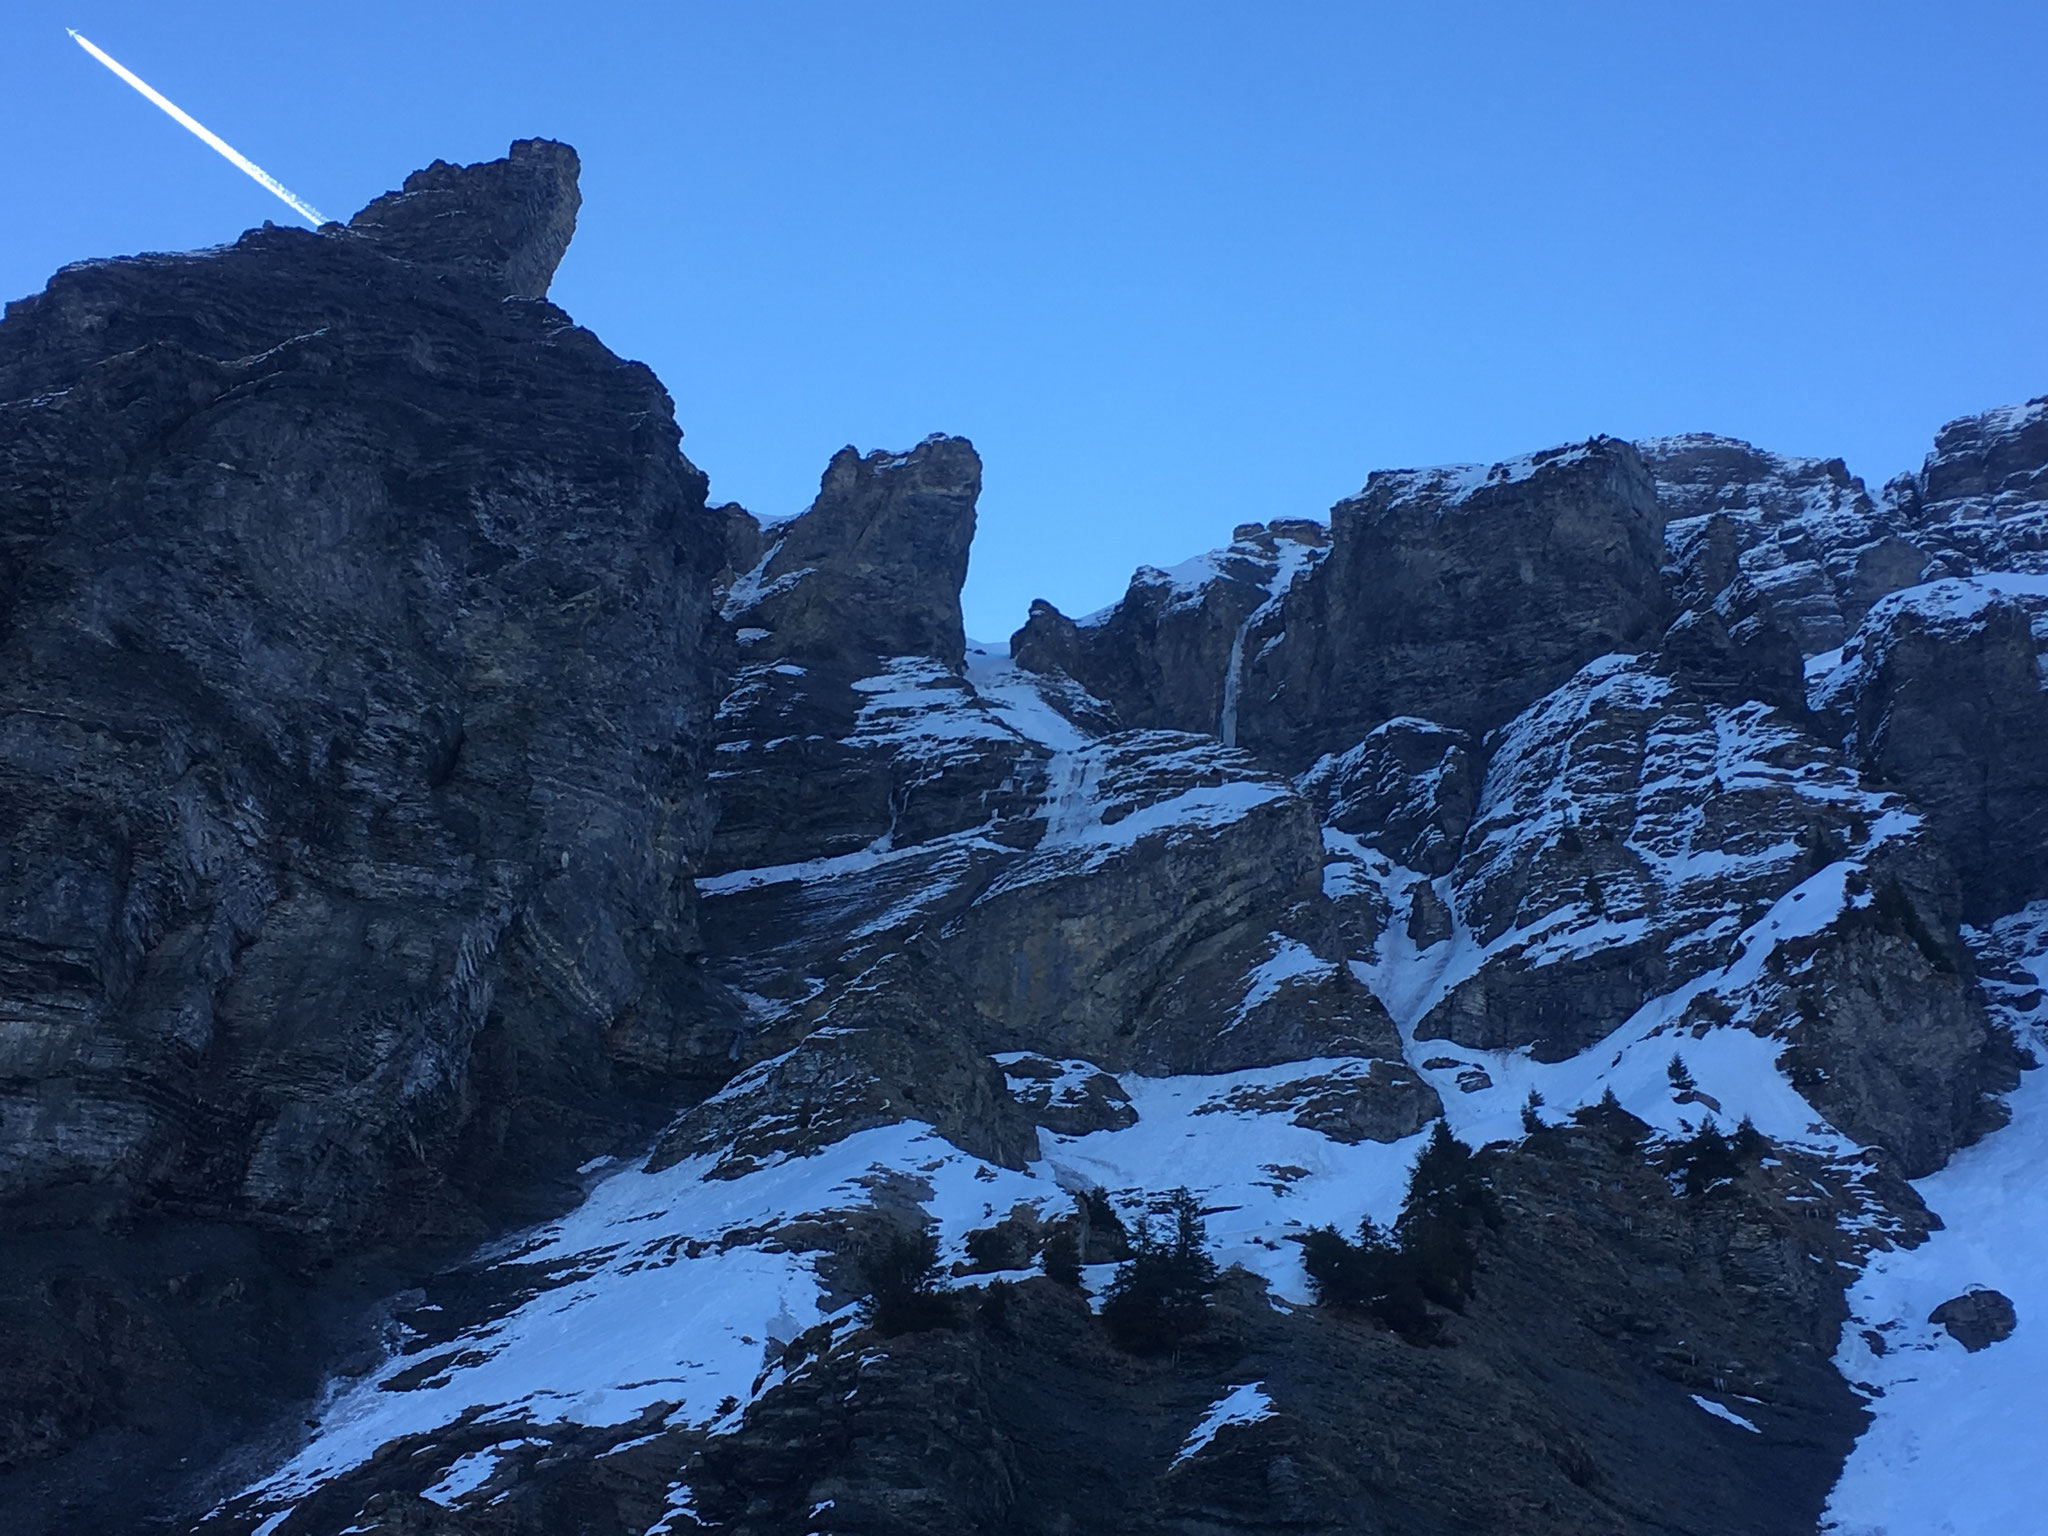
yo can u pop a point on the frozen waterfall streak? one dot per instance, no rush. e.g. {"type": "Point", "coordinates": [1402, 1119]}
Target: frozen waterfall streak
{"type": "Point", "coordinates": [1070, 809]}
{"type": "Point", "coordinates": [1233, 679]}
{"type": "Point", "coordinates": [235, 157]}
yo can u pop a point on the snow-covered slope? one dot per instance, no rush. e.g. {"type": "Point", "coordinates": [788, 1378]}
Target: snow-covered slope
{"type": "Point", "coordinates": [1954, 1445]}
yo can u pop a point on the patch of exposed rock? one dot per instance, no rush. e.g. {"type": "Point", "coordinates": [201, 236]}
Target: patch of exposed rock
{"type": "Point", "coordinates": [1980, 501]}
{"type": "Point", "coordinates": [1409, 789]}
{"type": "Point", "coordinates": [1949, 706]}
{"type": "Point", "coordinates": [1460, 596]}
{"type": "Point", "coordinates": [1775, 543]}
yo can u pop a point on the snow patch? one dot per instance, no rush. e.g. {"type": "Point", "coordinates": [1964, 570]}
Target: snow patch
{"type": "Point", "coordinates": [1240, 1405]}
{"type": "Point", "coordinates": [1727, 1414]}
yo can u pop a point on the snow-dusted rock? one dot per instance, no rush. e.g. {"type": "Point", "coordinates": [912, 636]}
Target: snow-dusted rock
{"type": "Point", "coordinates": [892, 1047]}
{"type": "Point", "coordinates": [874, 567]}
{"type": "Point", "coordinates": [1458, 595]}
{"type": "Point", "coordinates": [1625, 834]}
{"type": "Point", "coordinates": [1409, 789]}
{"type": "Point", "coordinates": [1171, 917]}
{"type": "Point", "coordinates": [1949, 706]}
{"type": "Point", "coordinates": [1769, 539]}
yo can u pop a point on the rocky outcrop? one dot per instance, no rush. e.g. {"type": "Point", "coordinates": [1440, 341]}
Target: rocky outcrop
{"type": "Point", "coordinates": [1980, 501]}
{"type": "Point", "coordinates": [891, 1047]}
{"type": "Point", "coordinates": [1626, 833]}
{"type": "Point", "coordinates": [1459, 596]}
{"type": "Point", "coordinates": [1071, 952]}
{"type": "Point", "coordinates": [1456, 595]}
{"type": "Point", "coordinates": [874, 568]}
{"type": "Point", "coordinates": [1409, 789]}
{"type": "Point", "coordinates": [1950, 707]}
{"type": "Point", "coordinates": [506, 223]}
{"type": "Point", "coordinates": [1170, 654]}
{"type": "Point", "coordinates": [338, 783]}
{"type": "Point", "coordinates": [1977, 1319]}
{"type": "Point", "coordinates": [352, 761]}
{"type": "Point", "coordinates": [1639, 857]}
{"type": "Point", "coordinates": [1995, 462]}
{"type": "Point", "coordinates": [848, 647]}
{"type": "Point", "coordinates": [1778, 544]}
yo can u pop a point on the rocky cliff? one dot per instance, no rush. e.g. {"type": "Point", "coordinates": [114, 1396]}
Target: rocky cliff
{"type": "Point", "coordinates": [504, 961]}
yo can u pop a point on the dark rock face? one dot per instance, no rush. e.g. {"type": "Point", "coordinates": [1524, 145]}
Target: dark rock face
{"type": "Point", "coordinates": [1170, 655]}
{"type": "Point", "coordinates": [1459, 596]}
{"type": "Point", "coordinates": [1950, 707]}
{"type": "Point", "coordinates": [1070, 950]}
{"type": "Point", "coordinates": [1409, 789]}
{"type": "Point", "coordinates": [509, 222]}
{"type": "Point", "coordinates": [891, 1046]}
{"type": "Point", "coordinates": [1455, 595]}
{"type": "Point", "coordinates": [1995, 463]}
{"type": "Point", "coordinates": [847, 630]}
{"type": "Point", "coordinates": [1730, 642]}
{"type": "Point", "coordinates": [875, 566]}
{"type": "Point", "coordinates": [352, 766]}
{"type": "Point", "coordinates": [1977, 1319]}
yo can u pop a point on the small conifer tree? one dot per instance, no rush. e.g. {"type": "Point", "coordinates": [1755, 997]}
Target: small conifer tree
{"type": "Point", "coordinates": [1161, 1296]}
{"type": "Point", "coordinates": [904, 1295]}
{"type": "Point", "coordinates": [1060, 1258]}
{"type": "Point", "coordinates": [1448, 1194]}
{"type": "Point", "coordinates": [1706, 1160]}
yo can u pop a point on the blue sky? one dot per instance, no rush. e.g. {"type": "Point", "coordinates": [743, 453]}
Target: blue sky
{"type": "Point", "coordinates": [1171, 266]}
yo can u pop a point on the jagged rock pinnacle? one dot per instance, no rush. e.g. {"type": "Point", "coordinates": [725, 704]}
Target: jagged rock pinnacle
{"type": "Point", "coordinates": [510, 220]}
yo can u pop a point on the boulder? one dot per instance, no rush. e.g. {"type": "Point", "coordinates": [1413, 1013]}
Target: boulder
{"type": "Point", "coordinates": [1977, 1319]}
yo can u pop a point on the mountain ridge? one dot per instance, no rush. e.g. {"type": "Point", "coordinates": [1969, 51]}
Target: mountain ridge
{"type": "Point", "coordinates": [517, 937]}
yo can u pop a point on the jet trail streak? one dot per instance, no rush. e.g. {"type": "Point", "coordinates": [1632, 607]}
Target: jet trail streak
{"type": "Point", "coordinates": [234, 156]}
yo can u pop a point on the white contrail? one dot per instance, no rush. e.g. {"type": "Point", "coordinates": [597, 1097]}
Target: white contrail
{"type": "Point", "coordinates": [235, 157]}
